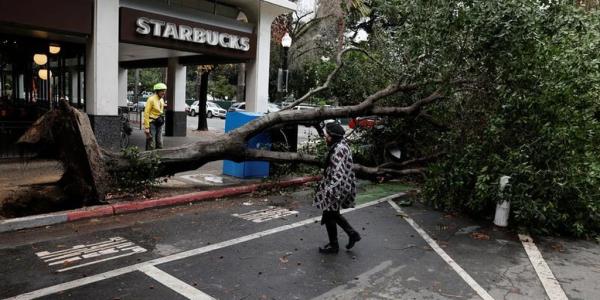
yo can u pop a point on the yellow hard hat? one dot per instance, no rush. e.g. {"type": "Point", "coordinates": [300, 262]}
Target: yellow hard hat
{"type": "Point", "coordinates": [160, 86]}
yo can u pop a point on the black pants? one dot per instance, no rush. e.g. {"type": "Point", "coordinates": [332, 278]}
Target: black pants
{"type": "Point", "coordinates": [333, 218]}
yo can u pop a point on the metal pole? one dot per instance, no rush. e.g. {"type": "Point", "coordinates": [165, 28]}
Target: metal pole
{"type": "Point", "coordinates": [48, 78]}
{"type": "Point", "coordinates": [135, 88]}
{"type": "Point", "coordinates": [285, 70]}
{"type": "Point", "coordinates": [78, 70]}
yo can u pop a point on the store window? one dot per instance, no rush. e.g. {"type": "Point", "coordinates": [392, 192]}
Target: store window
{"type": "Point", "coordinates": [34, 75]}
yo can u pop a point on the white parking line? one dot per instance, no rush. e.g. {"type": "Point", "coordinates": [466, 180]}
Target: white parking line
{"type": "Point", "coordinates": [458, 269]}
{"type": "Point", "coordinates": [551, 285]}
{"type": "Point", "coordinates": [117, 272]}
{"type": "Point", "coordinates": [175, 284]}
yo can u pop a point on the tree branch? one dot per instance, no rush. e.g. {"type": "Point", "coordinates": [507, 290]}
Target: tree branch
{"type": "Point", "coordinates": [325, 85]}
{"type": "Point", "coordinates": [432, 121]}
{"type": "Point", "coordinates": [361, 171]}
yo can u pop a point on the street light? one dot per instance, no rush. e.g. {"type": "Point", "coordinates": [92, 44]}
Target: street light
{"type": "Point", "coordinates": [282, 81]}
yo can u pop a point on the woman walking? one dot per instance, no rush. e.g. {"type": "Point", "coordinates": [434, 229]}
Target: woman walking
{"type": "Point", "coordinates": [337, 189]}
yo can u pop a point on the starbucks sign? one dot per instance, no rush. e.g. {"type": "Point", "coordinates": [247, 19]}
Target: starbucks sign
{"type": "Point", "coordinates": [192, 34]}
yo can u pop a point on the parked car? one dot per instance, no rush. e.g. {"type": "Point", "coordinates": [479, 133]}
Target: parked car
{"type": "Point", "coordinates": [140, 105]}
{"type": "Point", "coordinates": [272, 107]}
{"type": "Point", "coordinates": [241, 106]}
{"type": "Point", "coordinates": [130, 105]}
{"type": "Point", "coordinates": [212, 110]}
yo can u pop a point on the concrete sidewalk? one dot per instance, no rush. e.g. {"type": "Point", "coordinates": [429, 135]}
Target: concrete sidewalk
{"type": "Point", "coordinates": [206, 182]}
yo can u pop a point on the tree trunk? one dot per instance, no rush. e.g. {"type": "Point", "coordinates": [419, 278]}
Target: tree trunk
{"type": "Point", "coordinates": [202, 92]}
{"type": "Point", "coordinates": [241, 83]}
{"type": "Point", "coordinates": [69, 132]}
{"type": "Point", "coordinates": [86, 164]}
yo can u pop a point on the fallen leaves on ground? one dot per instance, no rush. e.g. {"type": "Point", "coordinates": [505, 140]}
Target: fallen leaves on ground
{"type": "Point", "coordinates": [480, 236]}
{"type": "Point", "coordinates": [558, 247]}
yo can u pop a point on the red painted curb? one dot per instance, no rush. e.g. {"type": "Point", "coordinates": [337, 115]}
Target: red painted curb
{"type": "Point", "coordinates": [91, 212]}
{"type": "Point", "coordinates": [109, 210]}
{"type": "Point", "coordinates": [205, 195]}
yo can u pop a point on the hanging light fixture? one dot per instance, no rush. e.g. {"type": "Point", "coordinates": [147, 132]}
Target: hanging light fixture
{"type": "Point", "coordinates": [286, 40]}
{"type": "Point", "coordinates": [40, 59]}
{"type": "Point", "coordinates": [43, 74]}
{"type": "Point", "coordinates": [54, 49]}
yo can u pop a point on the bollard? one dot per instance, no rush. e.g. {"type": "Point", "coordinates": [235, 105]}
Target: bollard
{"type": "Point", "coordinates": [502, 208]}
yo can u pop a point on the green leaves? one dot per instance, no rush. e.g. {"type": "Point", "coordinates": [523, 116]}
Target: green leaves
{"type": "Point", "coordinates": [541, 88]}
{"type": "Point", "coordinates": [141, 174]}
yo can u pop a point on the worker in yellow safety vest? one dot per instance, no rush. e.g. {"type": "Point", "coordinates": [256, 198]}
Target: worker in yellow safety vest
{"type": "Point", "coordinates": [154, 117]}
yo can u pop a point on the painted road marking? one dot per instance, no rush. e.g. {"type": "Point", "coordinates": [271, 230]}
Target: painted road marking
{"type": "Point", "coordinates": [135, 250]}
{"type": "Point", "coordinates": [458, 269]}
{"type": "Point", "coordinates": [174, 283]}
{"type": "Point", "coordinates": [271, 213]}
{"type": "Point", "coordinates": [124, 270]}
{"type": "Point", "coordinates": [46, 254]}
{"type": "Point", "coordinates": [115, 247]}
{"type": "Point", "coordinates": [206, 178]}
{"type": "Point", "coordinates": [551, 285]}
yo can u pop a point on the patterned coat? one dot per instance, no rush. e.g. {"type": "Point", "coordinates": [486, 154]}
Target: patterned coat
{"type": "Point", "coordinates": [337, 188]}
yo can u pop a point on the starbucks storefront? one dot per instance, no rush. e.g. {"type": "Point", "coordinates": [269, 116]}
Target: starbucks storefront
{"type": "Point", "coordinates": [80, 50]}
{"type": "Point", "coordinates": [42, 60]}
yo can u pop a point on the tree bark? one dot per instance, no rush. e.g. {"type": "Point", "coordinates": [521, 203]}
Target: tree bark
{"type": "Point", "coordinates": [241, 83]}
{"type": "Point", "coordinates": [202, 96]}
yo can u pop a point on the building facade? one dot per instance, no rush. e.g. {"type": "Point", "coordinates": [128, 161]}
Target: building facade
{"type": "Point", "coordinates": [80, 50]}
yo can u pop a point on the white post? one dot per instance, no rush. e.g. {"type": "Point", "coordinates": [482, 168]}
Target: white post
{"type": "Point", "coordinates": [103, 60]}
{"type": "Point", "coordinates": [502, 208]}
{"type": "Point", "coordinates": [176, 74]}
{"type": "Point", "coordinates": [257, 85]}
{"type": "Point", "coordinates": [122, 87]}
{"type": "Point", "coordinates": [176, 117]}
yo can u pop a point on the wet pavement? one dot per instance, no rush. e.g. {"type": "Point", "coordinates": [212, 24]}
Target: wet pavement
{"type": "Point", "coordinates": [265, 247]}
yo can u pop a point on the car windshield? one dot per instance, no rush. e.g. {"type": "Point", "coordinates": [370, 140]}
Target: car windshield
{"type": "Point", "coordinates": [195, 103]}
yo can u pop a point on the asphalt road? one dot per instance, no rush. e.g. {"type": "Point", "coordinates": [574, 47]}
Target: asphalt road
{"type": "Point", "coordinates": [234, 249]}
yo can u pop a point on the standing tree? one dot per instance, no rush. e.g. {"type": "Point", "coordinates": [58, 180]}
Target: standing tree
{"type": "Point", "coordinates": [202, 73]}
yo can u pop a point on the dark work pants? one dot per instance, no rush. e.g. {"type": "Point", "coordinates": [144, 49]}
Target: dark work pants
{"type": "Point", "coordinates": [333, 218]}
{"type": "Point", "coordinates": [155, 139]}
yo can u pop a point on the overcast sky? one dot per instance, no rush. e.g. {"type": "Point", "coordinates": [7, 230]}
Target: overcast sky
{"type": "Point", "coordinates": [305, 6]}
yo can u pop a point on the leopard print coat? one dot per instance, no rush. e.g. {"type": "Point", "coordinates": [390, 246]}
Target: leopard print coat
{"type": "Point", "coordinates": [337, 188]}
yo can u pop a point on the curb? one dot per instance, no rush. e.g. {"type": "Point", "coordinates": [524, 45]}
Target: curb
{"type": "Point", "coordinates": [133, 206]}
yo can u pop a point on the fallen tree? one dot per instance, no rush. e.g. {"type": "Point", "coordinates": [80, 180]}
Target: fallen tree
{"type": "Point", "coordinates": [87, 166]}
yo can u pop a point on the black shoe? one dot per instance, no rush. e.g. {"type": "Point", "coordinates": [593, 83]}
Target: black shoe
{"type": "Point", "coordinates": [352, 240]}
{"type": "Point", "coordinates": [328, 249]}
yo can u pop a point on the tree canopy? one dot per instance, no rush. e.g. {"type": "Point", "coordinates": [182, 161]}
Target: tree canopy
{"type": "Point", "coordinates": [531, 111]}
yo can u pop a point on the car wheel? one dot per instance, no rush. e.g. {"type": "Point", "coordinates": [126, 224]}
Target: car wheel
{"type": "Point", "coordinates": [209, 114]}
{"type": "Point", "coordinates": [193, 113]}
